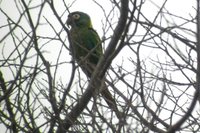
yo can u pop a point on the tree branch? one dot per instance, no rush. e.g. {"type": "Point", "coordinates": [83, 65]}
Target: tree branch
{"type": "Point", "coordinates": [98, 74]}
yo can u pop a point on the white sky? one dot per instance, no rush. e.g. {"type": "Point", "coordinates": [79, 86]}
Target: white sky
{"type": "Point", "coordinates": [179, 7]}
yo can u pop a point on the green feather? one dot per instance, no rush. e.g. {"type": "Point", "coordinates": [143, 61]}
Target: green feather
{"type": "Point", "coordinates": [86, 46]}
{"type": "Point", "coordinates": [85, 40]}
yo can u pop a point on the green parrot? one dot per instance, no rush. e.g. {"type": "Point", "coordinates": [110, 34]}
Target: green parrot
{"type": "Point", "coordinates": [86, 49]}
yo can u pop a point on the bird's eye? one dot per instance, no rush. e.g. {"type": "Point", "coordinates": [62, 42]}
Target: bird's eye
{"type": "Point", "coordinates": [76, 16]}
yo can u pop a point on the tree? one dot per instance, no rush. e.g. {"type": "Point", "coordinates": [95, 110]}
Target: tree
{"type": "Point", "coordinates": [151, 67]}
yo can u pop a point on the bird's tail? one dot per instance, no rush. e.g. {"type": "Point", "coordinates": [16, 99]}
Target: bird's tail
{"type": "Point", "coordinates": [110, 101]}
{"type": "Point", "coordinates": [88, 68]}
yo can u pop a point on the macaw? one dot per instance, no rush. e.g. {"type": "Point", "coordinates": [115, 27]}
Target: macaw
{"type": "Point", "coordinates": [86, 49]}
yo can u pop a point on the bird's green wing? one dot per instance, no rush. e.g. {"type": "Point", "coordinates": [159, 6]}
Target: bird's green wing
{"type": "Point", "coordinates": [93, 44]}
{"type": "Point", "coordinates": [85, 40]}
{"type": "Point", "coordinates": [86, 43]}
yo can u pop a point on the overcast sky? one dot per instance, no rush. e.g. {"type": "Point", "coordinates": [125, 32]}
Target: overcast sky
{"type": "Point", "coordinates": [179, 7]}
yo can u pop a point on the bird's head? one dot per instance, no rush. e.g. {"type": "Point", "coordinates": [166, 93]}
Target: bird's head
{"type": "Point", "coordinates": [79, 19]}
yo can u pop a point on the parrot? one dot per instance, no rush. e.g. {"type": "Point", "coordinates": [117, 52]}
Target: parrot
{"type": "Point", "coordinates": [86, 50]}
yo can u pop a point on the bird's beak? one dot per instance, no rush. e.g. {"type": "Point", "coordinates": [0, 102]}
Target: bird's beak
{"type": "Point", "coordinates": [69, 21]}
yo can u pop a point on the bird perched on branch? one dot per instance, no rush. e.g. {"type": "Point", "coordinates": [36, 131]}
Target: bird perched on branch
{"type": "Point", "coordinates": [86, 49]}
